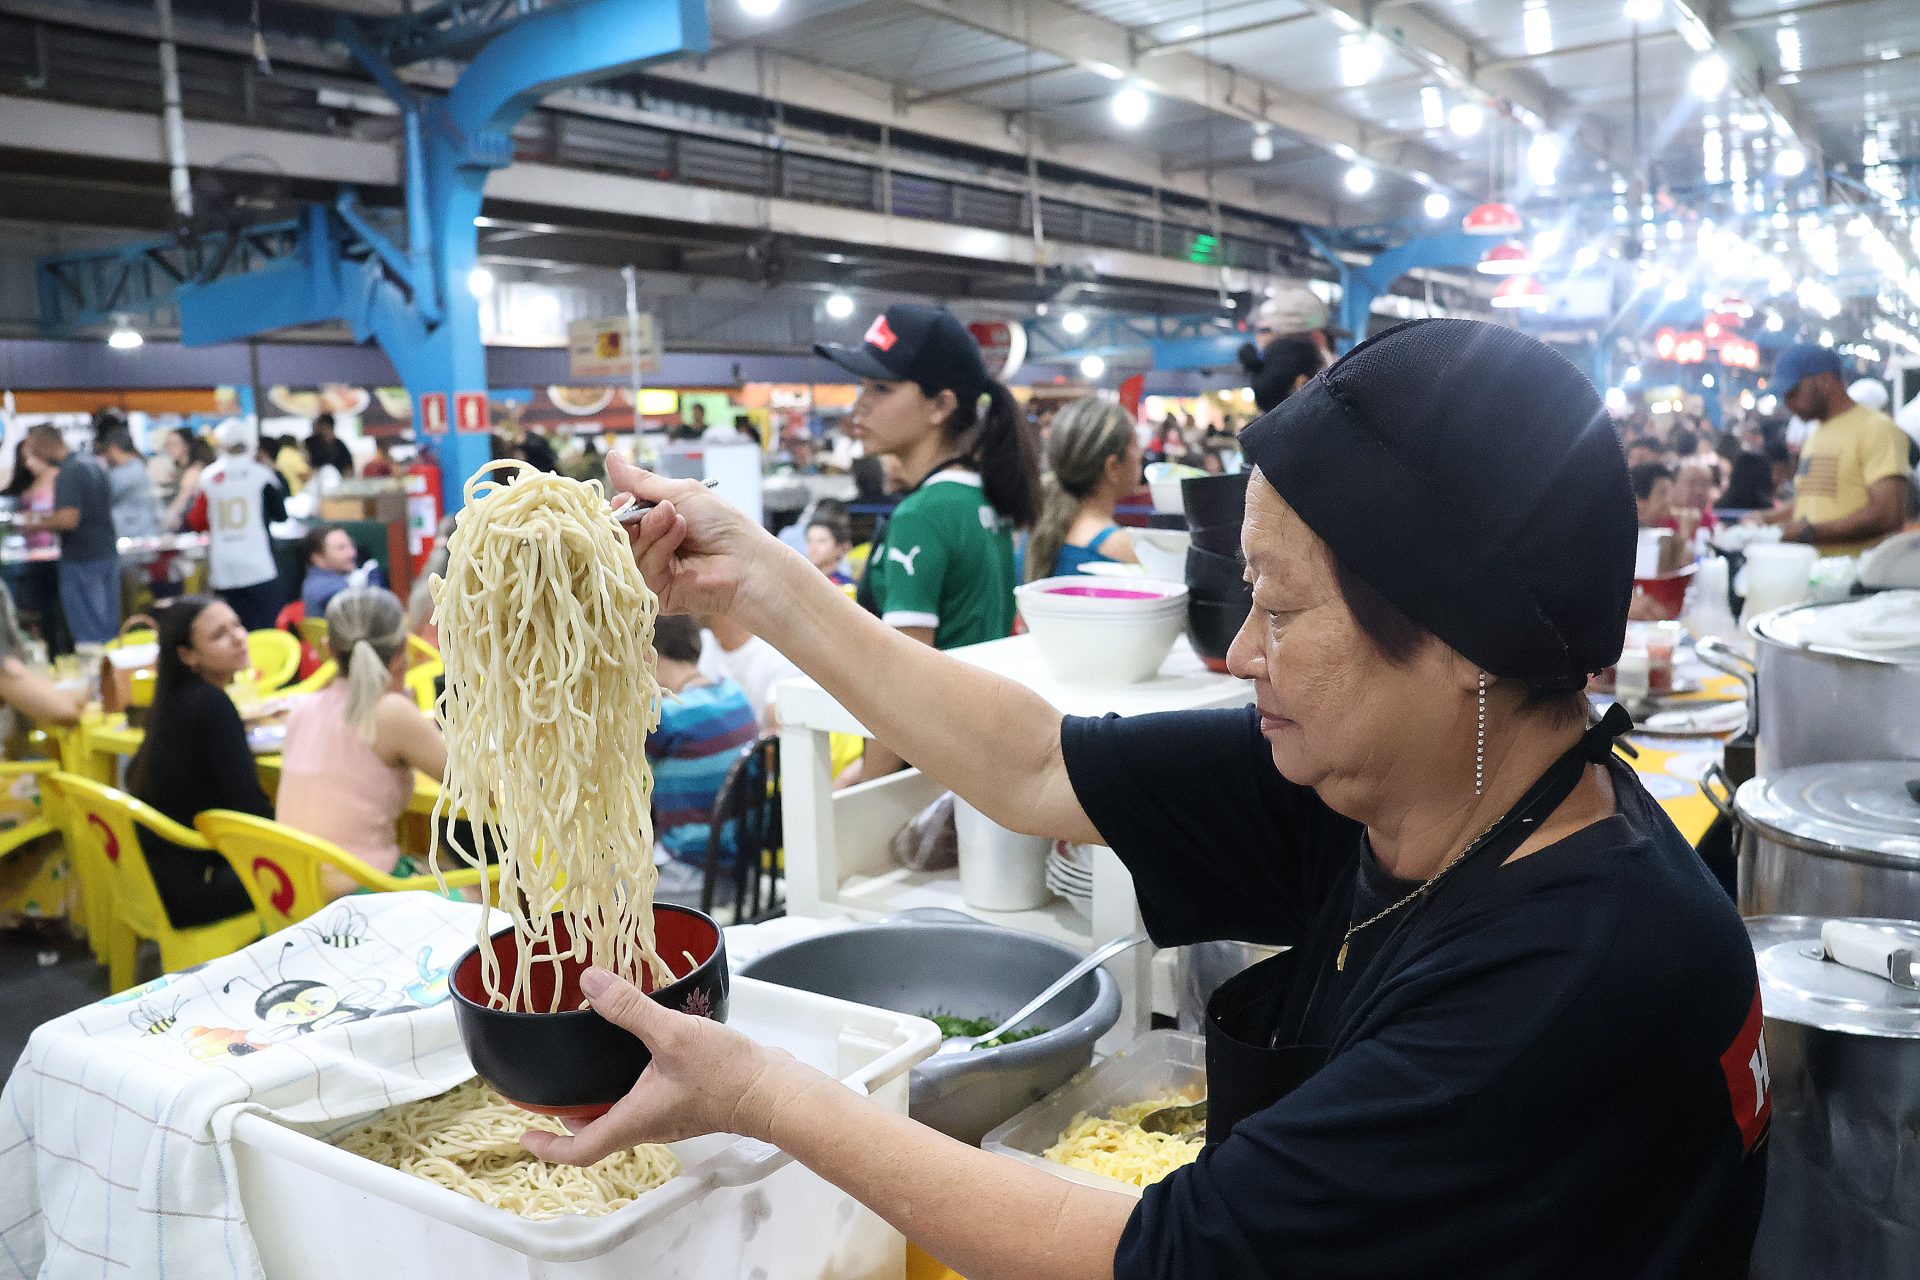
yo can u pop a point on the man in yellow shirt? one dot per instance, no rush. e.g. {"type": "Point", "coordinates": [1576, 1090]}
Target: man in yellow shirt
{"type": "Point", "coordinates": [1851, 489]}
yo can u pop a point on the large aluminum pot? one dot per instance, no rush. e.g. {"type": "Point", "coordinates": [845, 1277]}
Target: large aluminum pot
{"type": "Point", "coordinates": [1843, 1054]}
{"type": "Point", "coordinates": [972, 970]}
{"type": "Point", "coordinates": [1831, 840]}
{"type": "Point", "coordinates": [1203, 966]}
{"type": "Point", "coordinates": [1815, 702]}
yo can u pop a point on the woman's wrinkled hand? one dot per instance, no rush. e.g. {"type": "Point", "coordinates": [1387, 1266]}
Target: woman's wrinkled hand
{"type": "Point", "coordinates": [697, 553]}
{"type": "Point", "coordinates": [705, 1078]}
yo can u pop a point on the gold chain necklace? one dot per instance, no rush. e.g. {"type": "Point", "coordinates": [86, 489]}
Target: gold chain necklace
{"type": "Point", "coordinates": [1340, 959]}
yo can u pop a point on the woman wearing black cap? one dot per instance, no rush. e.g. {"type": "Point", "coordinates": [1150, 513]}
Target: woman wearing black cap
{"type": "Point", "coordinates": [941, 570]}
{"type": "Point", "coordinates": [1518, 1030]}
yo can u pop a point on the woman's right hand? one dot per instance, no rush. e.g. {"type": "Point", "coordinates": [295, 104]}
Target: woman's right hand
{"type": "Point", "coordinates": [699, 554]}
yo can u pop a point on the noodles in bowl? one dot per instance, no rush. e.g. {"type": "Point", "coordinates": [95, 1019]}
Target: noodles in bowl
{"type": "Point", "coordinates": [546, 631]}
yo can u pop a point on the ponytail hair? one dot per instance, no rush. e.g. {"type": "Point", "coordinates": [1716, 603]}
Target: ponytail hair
{"type": "Point", "coordinates": [366, 627]}
{"type": "Point", "coordinates": [1084, 435]}
{"type": "Point", "coordinates": [998, 443]}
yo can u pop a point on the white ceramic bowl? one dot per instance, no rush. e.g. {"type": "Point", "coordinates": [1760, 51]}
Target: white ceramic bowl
{"type": "Point", "coordinates": [1162, 552]}
{"type": "Point", "coordinates": [1103, 633]}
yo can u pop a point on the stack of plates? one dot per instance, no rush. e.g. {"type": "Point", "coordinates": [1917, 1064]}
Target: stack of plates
{"type": "Point", "coordinates": [1070, 874]}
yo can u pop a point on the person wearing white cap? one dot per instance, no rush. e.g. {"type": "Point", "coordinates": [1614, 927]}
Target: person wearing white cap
{"type": "Point", "coordinates": [1289, 344]}
{"type": "Point", "coordinates": [243, 498]}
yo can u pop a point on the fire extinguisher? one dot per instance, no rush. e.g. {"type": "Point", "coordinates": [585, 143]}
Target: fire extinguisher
{"type": "Point", "coordinates": [423, 508]}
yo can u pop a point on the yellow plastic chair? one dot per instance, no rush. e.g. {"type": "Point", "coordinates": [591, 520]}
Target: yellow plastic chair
{"type": "Point", "coordinates": [67, 745]}
{"type": "Point", "coordinates": [857, 559]}
{"type": "Point", "coordinates": [322, 677]}
{"type": "Point", "coordinates": [420, 683]}
{"type": "Point", "coordinates": [314, 632]}
{"type": "Point", "coordinates": [44, 825]}
{"type": "Point", "coordinates": [276, 658]}
{"type": "Point", "coordinates": [281, 866]}
{"type": "Point", "coordinates": [106, 824]}
{"type": "Point", "coordinates": [420, 652]}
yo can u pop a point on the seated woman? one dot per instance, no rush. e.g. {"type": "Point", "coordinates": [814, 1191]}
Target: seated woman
{"type": "Point", "coordinates": [195, 757]}
{"type": "Point", "coordinates": [1093, 461]}
{"type": "Point", "coordinates": [347, 766]}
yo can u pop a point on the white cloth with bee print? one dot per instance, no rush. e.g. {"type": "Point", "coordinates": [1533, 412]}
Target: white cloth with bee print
{"type": "Point", "coordinates": [114, 1127]}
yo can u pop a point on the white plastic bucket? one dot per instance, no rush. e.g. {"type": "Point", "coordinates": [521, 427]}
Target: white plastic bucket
{"type": "Point", "coordinates": [739, 1208]}
{"type": "Point", "coordinates": [1000, 870]}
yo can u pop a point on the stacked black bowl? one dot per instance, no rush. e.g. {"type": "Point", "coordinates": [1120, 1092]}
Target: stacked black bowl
{"type": "Point", "coordinates": [1218, 597]}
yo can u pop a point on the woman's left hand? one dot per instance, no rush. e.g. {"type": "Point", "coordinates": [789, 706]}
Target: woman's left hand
{"type": "Point", "coordinates": [705, 1078]}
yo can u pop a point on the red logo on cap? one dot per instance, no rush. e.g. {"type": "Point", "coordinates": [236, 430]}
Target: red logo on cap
{"type": "Point", "coordinates": [880, 334]}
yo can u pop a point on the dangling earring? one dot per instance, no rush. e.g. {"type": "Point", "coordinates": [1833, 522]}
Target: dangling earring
{"type": "Point", "coordinates": [1480, 742]}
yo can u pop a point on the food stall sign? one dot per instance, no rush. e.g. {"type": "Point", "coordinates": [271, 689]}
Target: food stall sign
{"type": "Point", "coordinates": [599, 347]}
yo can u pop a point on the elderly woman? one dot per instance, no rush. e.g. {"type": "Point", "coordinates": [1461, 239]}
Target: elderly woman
{"type": "Point", "coordinates": [1517, 1033]}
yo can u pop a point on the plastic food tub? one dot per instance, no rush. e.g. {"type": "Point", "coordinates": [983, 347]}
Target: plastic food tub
{"type": "Point", "coordinates": [1158, 1063]}
{"type": "Point", "coordinates": [739, 1208]}
{"type": "Point", "coordinates": [1103, 633]}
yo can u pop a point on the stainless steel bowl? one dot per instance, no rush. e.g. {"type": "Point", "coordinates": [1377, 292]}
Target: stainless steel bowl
{"type": "Point", "coordinates": [972, 970]}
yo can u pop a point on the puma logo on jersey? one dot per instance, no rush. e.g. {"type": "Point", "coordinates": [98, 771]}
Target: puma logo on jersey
{"type": "Point", "coordinates": [904, 558]}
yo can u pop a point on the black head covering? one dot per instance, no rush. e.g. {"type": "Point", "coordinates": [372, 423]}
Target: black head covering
{"type": "Point", "coordinates": [1469, 474]}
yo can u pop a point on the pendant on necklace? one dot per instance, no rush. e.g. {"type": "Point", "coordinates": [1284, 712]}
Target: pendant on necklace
{"type": "Point", "coordinates": [1340, 960]}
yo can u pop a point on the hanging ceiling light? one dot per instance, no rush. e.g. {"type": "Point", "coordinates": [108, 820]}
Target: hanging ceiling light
{"type": "Point", "coordinates": [1509, 258]}
{"type": "Point", "coordinates": [1521, 292]}
{"type": "Point", "coordinates": [1360, 179]}
{"type": "Point", "coordinates": [124, 337]}
{"type": "Point", "coordinates": [1642, 10]}
{"type": "Point", "coordinates": [839, 306]}
{"type": "Point", "coordinates": [760, 8]}
{"type": "Point", "coordinates": [1543, 159]}
{"type": "Point", "coordinates": [1495, 219]}
{"type": "Point", "coordinates": [1433, 108]}
{"type": "Point", "coordinates": [1436, 205]}
{"type": "Point", "coordinates": [479, 282]}
{"type": "Point", "coordinates": [1466, 119]}
{"type": "Point", "coordinates": [1131, 107]}
{"type": "Point", "coordinates": [1092, 367]}
{"type": "Point", "coordinates": [1359, 60]}
{"type": "Point", "coordinates": [1262, 143]}
{"type": "Point", "coordinates": [1074, 322]}
{"type": "Point", "coordinates": [1708, 79]}
{"type": "Point", "coordinates": [1789, 162]}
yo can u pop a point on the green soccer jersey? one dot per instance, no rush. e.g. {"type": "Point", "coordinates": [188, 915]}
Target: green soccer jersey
{"type": "Point", "coordinates": [945, 561]}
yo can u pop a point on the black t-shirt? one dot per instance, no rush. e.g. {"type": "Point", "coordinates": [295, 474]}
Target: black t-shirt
{"type": "Point", "coordinates": [82, 485]}
{"type": "Point", "coordinates": [330, 453]}
{"type": "Point", "coordinates": [1560, 1076]}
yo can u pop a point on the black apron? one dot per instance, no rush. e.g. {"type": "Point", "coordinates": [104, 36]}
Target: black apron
{"type": "Point", "coordinates": [1247, 1072]}
{"type": "Point", "coordinates": [877, 552]}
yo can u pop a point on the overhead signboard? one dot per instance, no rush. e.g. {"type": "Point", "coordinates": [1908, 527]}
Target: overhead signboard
{"type": "Point", "coordinates": [604, 347]}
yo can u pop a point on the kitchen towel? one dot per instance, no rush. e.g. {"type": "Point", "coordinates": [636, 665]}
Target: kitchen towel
{"type": "Point", "coordinates": [114, 1127]}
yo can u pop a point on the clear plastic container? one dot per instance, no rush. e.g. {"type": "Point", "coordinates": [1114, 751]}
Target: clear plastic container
{"type": "Point", "coordinates": [1155, 1065]}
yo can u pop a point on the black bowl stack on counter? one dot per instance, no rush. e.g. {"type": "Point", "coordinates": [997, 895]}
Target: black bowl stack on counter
{"type": "Point", "coordinates": [1218, 597]}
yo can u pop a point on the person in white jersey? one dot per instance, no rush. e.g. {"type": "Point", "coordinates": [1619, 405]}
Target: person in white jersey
{"type": "Point", "coordinates": [243, 497]}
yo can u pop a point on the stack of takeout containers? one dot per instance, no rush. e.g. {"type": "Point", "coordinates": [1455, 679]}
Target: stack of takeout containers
{"type": "Point", "coordinates": [1095, 632]}
{"type": "Point", "coordinates": [1218, 597]}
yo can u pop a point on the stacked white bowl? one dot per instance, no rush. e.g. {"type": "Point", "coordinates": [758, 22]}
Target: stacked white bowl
{"type": "Point", "coordinates": [1103, 632]}
{"type": "Point", "coordinates": [1070, 874]}
{"type": "Point", "coordinates": [1163, 552]}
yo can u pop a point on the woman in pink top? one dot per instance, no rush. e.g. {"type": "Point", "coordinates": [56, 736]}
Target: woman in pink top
{"type": "Point", "coordinates": [351, 749]}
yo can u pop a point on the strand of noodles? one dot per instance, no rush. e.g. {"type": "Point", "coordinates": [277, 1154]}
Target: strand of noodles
{"type": "Point", "coordinates": [468, 1140]}
{"type": "Point", "coordinates": [1116, 1146]}
{"type": "Point", "coordinates": [546, 630]}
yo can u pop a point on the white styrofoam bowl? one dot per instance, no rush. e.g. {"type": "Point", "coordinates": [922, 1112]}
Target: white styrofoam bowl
{"type": "Point", "coordinates": [1166, 497]}
{"type": "Point", "coordinates": [1103, 634]}
{"type": "Point", "coordinates": [1162, 552]}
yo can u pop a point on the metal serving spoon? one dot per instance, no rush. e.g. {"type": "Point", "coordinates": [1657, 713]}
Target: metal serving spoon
{"type": "Point", "coordinates": [960, 1044]}
{"type": "Point", "coordinates": [1182, 1120]}
{"type": "Point", "coordinates": [634, 510]}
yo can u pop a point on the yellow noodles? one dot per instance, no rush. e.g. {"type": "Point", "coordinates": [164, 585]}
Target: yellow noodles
{"type": "Point", "coordinates": [1115, 1145]}
{"type": "Point", "coordinates": [468, 1140]}
{"type": "Point", "coordinates": [546, 629]}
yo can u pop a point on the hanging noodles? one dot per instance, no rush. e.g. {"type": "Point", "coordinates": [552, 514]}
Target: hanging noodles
{"type": "Point", "coordinates": [468, 1140]}
{"type": "Point", "coordinates": [546, 630]}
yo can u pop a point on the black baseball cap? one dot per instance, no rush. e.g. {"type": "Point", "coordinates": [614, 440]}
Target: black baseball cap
{"type": "Point", "coordinates": [912, 343]}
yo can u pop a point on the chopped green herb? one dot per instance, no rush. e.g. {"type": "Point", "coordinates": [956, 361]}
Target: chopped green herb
{"type": "Point", "coordinates": [952, 1025]}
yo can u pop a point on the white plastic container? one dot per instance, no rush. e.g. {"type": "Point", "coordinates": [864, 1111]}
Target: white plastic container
{"type": "Point", "coordinates": [1155, 1065]}
{"type": "Point", "coordinates": [1103, 634]}
{"type": "Point", "coordinates": [739, 1208]}
{"type": "Point", "coordinates": [1163, 552]}
{"type": "Point", "coordinates": [1000, 870]}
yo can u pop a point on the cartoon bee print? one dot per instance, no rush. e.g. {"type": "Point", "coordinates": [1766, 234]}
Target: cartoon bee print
{"type": "Point", "coordinates": [155, 1017]}
{"type": "Point", "coordinates": [343, 929]}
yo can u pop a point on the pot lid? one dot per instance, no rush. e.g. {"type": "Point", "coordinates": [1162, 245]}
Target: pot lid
{"type": "Point", "coordinates": [1799, 984]}
{"type": "Point", "coordinates": [1859, 809]}
{"type": "Point", "coordinates": [1883, 627]}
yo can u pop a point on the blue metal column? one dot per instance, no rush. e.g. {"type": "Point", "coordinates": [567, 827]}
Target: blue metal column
{"type": "Point", "coordinates": [415, 303]}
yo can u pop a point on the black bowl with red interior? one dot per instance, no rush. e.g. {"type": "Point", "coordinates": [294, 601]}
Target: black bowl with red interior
{"type": "Point", "coordinates": [575, 1064]}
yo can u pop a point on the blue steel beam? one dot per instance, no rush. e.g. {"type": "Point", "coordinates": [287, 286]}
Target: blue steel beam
{"type": "Point", "coordinates": [417, 305]}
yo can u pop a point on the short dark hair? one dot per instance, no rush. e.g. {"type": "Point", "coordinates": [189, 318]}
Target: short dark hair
{"type": "Point", "coordinates": [1644, 477]}
{"type": "Point", "coordinates": [314, 539]}
{"type": "Point", "coordinates": [114, 435]}
{"type": "Point", "coordinates": [1683, 442]}
{"type": "Point", "coordinates": [325, 419]}
{"type": "Point", "coordinates": [1778, 451]}
{"type": "Point", "coordinates": [836, 525]}
{"type": "Point", "coordinates": [677, 636]}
